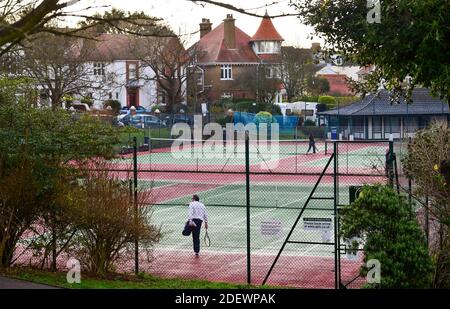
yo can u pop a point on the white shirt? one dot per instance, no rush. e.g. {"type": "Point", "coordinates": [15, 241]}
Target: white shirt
{"type": "Point", "coordinates": [197, 210]}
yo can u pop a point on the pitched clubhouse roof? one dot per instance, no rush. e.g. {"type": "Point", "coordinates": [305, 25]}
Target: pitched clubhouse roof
{"type": "Point", "coordinates": [267, 31]}
{"type": "Point", "coordinates": [422, 104]}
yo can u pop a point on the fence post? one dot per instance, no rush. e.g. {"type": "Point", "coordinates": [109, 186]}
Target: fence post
{"type": "Point", "coordinates": [410, 193]}
{"type": "Point", "coordinates": [54, 237]}
{"type": "Point", "coordinates": [135, 194]}
{"type": "Point", "coordinates": [247, 191]}
{"type": "Point", "coordinates": [427, 225]}
{"type": "Point", "coordinates": [390, 164]}
{"type": "Point", "coordinates": [335, 202]}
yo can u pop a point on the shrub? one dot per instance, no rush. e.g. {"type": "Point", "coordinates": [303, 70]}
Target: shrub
{"type": "Point", "coordinates": [425, 164]}
{"type": "Point", "coordinates": [385, 226]}
{"type": "Point", "coordinates": [114, 104]}
{"type": "Point", "coordinates": [222, 121]}
{"type": "Point", "coordinates": [20, 207]}
{"type": "Point", "coordinates": [107, 222]}
{"type": "Point", "coordinates": [217, 109]}
{"type": "Point", "coordinates": [307, 99]}
{"type": "Point", "coordinates": [309, 123]}
{"type": "Point", "coordinates": [343, 101]}
{"type": "Point", "coordinates": [38, 147]}
{"type": "Point", "coordinates": [329, 101]}
{"type": "Point", "coordinates": [87, 100]}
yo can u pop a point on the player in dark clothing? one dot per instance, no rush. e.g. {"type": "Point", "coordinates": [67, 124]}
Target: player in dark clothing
{"type": "Point", "coordinates": [312, 143]}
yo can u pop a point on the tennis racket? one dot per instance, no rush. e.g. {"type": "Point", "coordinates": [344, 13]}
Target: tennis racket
{"type": "Point", "coordinates": [206, 239]}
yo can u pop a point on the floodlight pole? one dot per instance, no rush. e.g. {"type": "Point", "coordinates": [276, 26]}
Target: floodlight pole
{"type": "Point", "coordinates": [247, 189]}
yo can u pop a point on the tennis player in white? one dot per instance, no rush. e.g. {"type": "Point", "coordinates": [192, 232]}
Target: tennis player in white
{"type": "Point", "coordinates": [197, 215]}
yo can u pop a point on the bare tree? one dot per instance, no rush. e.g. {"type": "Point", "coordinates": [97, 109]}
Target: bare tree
{"type": "Point", "coordinates": [264, 80]}
{"type": "Point", "coordinates": [57, 65]}
{"type": "Point", "coordinates": [168, 59]}
{"type": "Point", "coordinates": [297, 68]}
{"type": "Point", "coordinates": [20, 20]}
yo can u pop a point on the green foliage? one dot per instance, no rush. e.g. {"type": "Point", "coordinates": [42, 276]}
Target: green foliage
{"type": "Point", "coordinates": [107, 222]}
{"type": "Point", "coordinates": [41, 147]}
{"type": "Point", "coordinates": [318, 85]}
{"type": "Point", "coordinates": [307, 98]}
{"type": "Point", "coordinates": [222, 121]}
{"type": "Point", "coordinates": [11, 87]}
{"type": "Point", "coordinates": [411, 39]}
{"type": "Point", "coordinates": [309, 123]}
{"type": "Point", "coordinates": [386, 227]}
{"type": "Point", "coordinates": [87, 100]}
{"type": "Point", "coordinates": [329, 101]}
{"type": "Point", "coordinates": [161, 108]}
{"type": "Point", "coordinates": [216, 109]}
{"type": "Point", "coordinates": [347, 100]}
{"type": "Point", "coordinates": [248, 106]}
{"type": "Point", "coordinates": [115, 105]}
{"type": "Point", "coordinates": [426, 163]}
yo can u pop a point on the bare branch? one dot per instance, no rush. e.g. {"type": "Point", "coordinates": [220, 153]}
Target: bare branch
{"type": "Point", "coordinates": [237, 9]}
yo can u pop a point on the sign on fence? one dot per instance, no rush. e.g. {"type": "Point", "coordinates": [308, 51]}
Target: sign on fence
{"type": "Point", "coordinates": [317, 224]}
{"type": "Point", "coordinates": [271, 228]}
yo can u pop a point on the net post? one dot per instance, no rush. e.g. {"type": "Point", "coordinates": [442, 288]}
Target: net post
{"type": "Point", "coordinates": [135, 195]}
{"type": "Point", "coordinates": [247, 191]}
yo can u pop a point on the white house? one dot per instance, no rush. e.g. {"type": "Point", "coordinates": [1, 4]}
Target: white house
{"type": "Point", "coordinates": [117, 74]}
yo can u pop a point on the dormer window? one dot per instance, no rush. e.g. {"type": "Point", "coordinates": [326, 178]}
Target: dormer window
{"type": "Point", "coordinates": [268, 47]}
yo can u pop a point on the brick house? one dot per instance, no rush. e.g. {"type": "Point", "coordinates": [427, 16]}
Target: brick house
{"type": "Point", "coordinates": [228, 59]}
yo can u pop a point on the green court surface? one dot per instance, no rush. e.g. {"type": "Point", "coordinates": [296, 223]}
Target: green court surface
{"type": "Point", "coordinates": [274, 205]}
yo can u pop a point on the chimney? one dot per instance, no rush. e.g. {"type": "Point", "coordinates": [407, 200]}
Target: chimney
{"type": "Point", "coordinates": [315, 47]}
{"type": "Point", "coordinates": [229, 32]}
{"type": "Point", "coordinates": [205, 27]}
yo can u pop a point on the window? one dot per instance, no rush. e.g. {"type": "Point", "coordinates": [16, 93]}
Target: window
{"type": "Point", "coordinates": [117, 95]}
{"type": "Point", "coordinates": [132, 71]}
{"type": "Point", "coordinates": [199, 79]}
{"type": "Point", "coordinates": [392, 125]}
{"type": "Point", "coordinates": [162, 94]}
{"type": "Point", "coordinates": [226, 72]}
{"type": "Point", "coordinates": [268, 47]}
{"type": "Point", "coordinates": [272, 72]}
{"type": "Point", "coordinates": [99, 69]}
{"type": "Point", "coordinates": [376, 124]}
{"type": "Point", "coordinates": [358, 124]}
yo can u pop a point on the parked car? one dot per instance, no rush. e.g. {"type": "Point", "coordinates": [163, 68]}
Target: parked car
{"type": "Point", "coordinates": [79, 107]}
{"type": "Point", "coordinates": [139, 110]}
{"type": "Point", "coordinates": [146, 121]}
{"type": "Point", "coordinates": [178, 118]}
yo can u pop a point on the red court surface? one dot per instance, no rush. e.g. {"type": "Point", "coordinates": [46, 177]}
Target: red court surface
{"type": "Point", "coordinates": [292, 271]}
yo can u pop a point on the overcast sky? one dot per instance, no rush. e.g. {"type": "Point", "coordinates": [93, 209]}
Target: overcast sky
{"type": "Point", "coordinates": [183, 16]}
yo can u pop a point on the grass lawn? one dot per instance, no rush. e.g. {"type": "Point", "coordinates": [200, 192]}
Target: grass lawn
{"type": "Point", "coordinates": [116, 281]}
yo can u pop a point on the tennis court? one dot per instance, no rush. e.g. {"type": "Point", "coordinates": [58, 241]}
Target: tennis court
{"type": "Point", "coordinates": [277, 194]}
